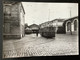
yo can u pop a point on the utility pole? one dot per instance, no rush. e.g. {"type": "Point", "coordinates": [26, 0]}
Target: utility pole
{"type": "Point", "coordinates": [49, 15]}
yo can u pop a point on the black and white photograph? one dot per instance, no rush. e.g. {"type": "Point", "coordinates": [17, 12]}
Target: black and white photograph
{"type": "Point", "coordinates": [40, 29]}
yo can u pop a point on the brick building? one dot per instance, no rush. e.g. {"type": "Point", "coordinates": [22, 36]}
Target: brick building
{"type": "Point", "coordinates": [13, 24]}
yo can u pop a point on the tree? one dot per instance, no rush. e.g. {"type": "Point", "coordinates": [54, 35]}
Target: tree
{"type": "Point", "coordinates": [26, 25]}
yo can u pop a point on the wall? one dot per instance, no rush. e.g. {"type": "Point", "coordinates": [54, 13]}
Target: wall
{"type": "Point", "coordinates": [22, 20]}
{"type": "Point", "coordinates": [12, 21]}
{"type": "Point", "coordinates": [55, 23]}
{"type": "Point", "coordinates": [72, 25]}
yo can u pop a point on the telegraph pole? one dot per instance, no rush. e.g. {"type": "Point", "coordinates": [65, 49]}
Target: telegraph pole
{"type": "Point", "coordinates": [49, 15]}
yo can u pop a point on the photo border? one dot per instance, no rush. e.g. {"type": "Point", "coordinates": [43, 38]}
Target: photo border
{"type": "Point", "coordinates": [31, 58]}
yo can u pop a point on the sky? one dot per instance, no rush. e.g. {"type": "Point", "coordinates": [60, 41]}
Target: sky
{"type": "Point", "coordinates": [38, 12]}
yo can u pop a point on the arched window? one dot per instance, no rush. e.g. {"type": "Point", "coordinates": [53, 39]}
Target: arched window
{"type": "Point", "coordinates": [75, 25]}
{"type": "Point", "coordinates": [68, 26]}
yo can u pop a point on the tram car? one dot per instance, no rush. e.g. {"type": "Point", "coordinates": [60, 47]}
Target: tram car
{"type": "Point", "coordinates": [48, 32]}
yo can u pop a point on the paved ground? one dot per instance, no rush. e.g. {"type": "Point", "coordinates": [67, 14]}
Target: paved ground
{"type": "Point", "coordinates": [31, 45]}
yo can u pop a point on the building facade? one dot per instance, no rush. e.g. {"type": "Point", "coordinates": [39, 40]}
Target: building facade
{"type": "Point", "coordinates": [57, 23]}
{"type": "Point", "coordinates": [63, 26]}
{"type": "Point", "coordinates": [14, 14]}
{"type": "Point", "coordinates": [71, 25]}
{"type": "Point", "coordinates": [34, 28]}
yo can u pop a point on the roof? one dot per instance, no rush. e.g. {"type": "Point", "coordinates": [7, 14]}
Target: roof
{"type": "Point", "coordinates": [71, 18]}
{"type": "Point", "coordinates": [13, 2]}
{"type": "Point", "coordinates": [10, 2]}
{"type": "Point", "coordinates": [58, 19]}
{"type": "Point", "coordinates": [53, 20]}
{"type": "Point", "coordinates": [33, 25]}
{"type": "Point", "coordinates": [23, 8]}
{"type": "Point", "coordinates": [62, 20]}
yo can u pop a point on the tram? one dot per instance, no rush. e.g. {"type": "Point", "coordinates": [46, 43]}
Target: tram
{"type": "Point", "coordinates": [48, 32]}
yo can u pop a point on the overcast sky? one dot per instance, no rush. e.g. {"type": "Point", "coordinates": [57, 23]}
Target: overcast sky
{"type": "Point", "coordinates": [41, 12]}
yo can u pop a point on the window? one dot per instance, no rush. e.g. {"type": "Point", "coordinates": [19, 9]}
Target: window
{"type": "Point", "coordinates": [7, 12]}
{"type": "Point", "coordinates": [7, 9]}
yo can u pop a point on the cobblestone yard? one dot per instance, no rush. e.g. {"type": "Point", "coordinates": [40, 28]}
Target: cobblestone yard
{"type": "Point", "coordinates": [31, 45]}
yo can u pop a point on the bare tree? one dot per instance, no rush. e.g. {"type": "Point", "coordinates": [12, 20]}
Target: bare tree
{"type": "Point", "coordinates": [26, 25]}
